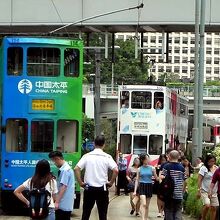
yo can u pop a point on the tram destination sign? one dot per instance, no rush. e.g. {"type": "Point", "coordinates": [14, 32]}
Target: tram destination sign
{"type": "Point", "coordinates": [140, 126]}
{"type": "Point", "coordinates": [43, 104]}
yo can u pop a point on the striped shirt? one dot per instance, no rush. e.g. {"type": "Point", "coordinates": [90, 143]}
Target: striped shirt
{"type": "Point", "coordinates": [177, 172]}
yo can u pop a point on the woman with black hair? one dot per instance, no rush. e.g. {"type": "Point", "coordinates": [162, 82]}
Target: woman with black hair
{"type": "Point", "coordinates": [187, 166]}
{"type": "Point", "coordinates": [41, 179]}
{"type": "Point", "coordinates": [160, 204]}
{"type": "Point", "coordinates": [144, 180]}
{"type": "Point", "coordinates": [210, 202]}
{"type": "Point", "coordinates": [131, 177]}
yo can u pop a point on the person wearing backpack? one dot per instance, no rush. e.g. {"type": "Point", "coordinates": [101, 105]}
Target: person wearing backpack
{"type": "Point", "coordinates": [145, 183]}
{"type": "Point", "coordinates": [174, 170]}
{"type": "Point", "coordinates": [42, 189]}
{"type": "Point", "coordinates": [66, 187]}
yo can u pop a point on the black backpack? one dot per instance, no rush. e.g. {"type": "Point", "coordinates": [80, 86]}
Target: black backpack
{"type": "Point", "coordinates": [166, 188]}
{"type": "Point", "coordinates": [39, 203]}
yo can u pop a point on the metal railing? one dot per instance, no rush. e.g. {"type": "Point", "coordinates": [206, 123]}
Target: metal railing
{"type": "Point", "coordinates": [208, 91]}
{"type": "Point", "coordinates": [105, 90]}
{"type": "Point", "coordinates": [188, 91]}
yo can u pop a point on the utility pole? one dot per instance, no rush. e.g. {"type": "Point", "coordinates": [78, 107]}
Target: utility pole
{"type": "Point", "coordinates": [196, 84]}
{"type": "Point", "coordinates": [201, 78]}
{"type": "Point", "coordinates": [97, 92]}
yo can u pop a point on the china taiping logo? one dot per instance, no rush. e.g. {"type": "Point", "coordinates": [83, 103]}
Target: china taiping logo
{"type": "Point", "coordinates": [25, 86]}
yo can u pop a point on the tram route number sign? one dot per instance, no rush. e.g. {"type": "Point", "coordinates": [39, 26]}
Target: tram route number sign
{"type": "Point", "coordinates": [43, 104]}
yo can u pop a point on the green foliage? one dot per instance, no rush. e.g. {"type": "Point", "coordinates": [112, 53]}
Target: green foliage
{"type": "Point", "coordinates": [169, 78]}
{"type": "Point", "coordinates": [216, 152]}
{"type": "Point", "coordinates": [127, 69]}
{"type": "Point", "coordinates": [193, 204]}
{"type": "Point", "coordinates": [109, 129]}
{"type": "Point", "coordinates": [88, 128]}
{"type": "Point", "coordinates": [212, 83]}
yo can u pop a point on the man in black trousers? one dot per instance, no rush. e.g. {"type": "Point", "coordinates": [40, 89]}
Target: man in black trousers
{"type": "Point", "coordinates": [95, 183]}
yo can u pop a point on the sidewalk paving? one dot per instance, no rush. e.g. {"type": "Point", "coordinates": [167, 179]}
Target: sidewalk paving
{"type": "Point", "coordinates": [119, 209]}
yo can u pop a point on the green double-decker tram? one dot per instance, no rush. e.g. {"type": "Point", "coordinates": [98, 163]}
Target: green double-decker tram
{"type": "Point", "coordinates": [41, 106]}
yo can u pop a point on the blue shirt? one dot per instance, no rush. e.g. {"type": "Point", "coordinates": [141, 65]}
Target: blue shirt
{"type": "Point", "coordinates": [146, 173]}
{"type": "Point", "coordinates": [122, 164]}
{"type": "Point", "coordinates": [67, 178]}
{"type": "Point", "coordinates": [177, 173]}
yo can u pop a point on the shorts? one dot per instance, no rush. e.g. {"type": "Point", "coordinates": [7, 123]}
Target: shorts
{"type": "Point", "coordinates": [146, 189]}
{"type": "Point", "coordinates": [207, 201]}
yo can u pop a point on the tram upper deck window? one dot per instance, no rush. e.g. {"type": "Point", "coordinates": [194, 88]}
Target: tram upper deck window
{"type": "Point", "coordinates": [43, 61]}
{"type": "Point", "coordinates": [158, 100]}
{"type": "Point", "coordinates": [141, 100]}
{"type": "Point", "coordinates": [16, 135]}
{"type": "Point", "coordinates": [67, 134]}
{"type": "Point", "coordinates": [125, 99]}
{"type": "Point", "coordinates": [155, 144]}
{"type": "Point", "coordinates": [140, 144]}
{"type": "Point", "coordinates": [15, 61]}
{"type": "Point", "coordinates": [42, 136]}
{"type": "Point", "coordinates": [71, 62]}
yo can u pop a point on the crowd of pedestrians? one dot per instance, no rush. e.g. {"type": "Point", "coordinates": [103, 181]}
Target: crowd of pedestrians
{"type": "Point", "coordinates": [140, 180]}
{"type": "Point", "coordinates": [143, 179]}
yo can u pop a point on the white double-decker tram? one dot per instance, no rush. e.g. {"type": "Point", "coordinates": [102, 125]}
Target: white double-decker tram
{"type": "Point", "coordinates": [151, 119]}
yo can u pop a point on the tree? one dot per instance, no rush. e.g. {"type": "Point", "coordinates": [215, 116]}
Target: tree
{"type": "Point", "coordinates": [127, 69]}
{"type": "Point", "coordinates": [169, 77]}
{"type": "Point", "coordinates": [88, 128]}
{"type": "Point", "coordinates": [109, 129]}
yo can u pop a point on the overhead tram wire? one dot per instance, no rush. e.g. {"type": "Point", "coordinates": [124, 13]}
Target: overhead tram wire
{"type": "Point", "coordinates": [97, 16]}
{"type": "Point", "coordinates": [60, 17]}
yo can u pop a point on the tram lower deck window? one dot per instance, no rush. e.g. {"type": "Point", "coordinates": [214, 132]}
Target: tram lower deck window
{"type": "Point", "coordinates": [125, 143]}
{"type": "Point", "coordinates": [155, 144]}
{"type": "Point", "coordinates": [42, 136]}
{"type": "Point", "coordinates": [16, 135]}
{"type": "Point", "coordinates": [140, 144]}
{"type": "Point", "coordinates": [43, 61]}
{"type": "Point", "coordinates": [67, 133]}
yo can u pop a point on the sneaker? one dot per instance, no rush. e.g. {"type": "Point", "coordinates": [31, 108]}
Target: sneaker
{"type": "Point", "coordinates": [137, 214]}
{"type": "Point", "coordinates": [159, 215]}
{"type": "Point", "coordinates": [132, 212]}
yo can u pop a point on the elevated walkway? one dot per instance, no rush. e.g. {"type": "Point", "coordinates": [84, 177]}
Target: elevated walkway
{"type": "Point", "coordinates": [109, 99]}
{"type": "Point", "coordinates": [43, 16]}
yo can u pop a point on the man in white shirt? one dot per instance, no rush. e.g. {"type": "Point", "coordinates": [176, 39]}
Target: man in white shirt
{"type": "Point", "coordinates": [95, 183]}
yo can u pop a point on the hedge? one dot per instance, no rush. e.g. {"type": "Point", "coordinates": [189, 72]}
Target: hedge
{"type": "Point", "coordinates": [193, 204]}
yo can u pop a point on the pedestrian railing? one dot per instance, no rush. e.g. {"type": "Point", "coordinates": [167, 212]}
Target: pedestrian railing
{"type": "Point", "coordinates": [188, 91]}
